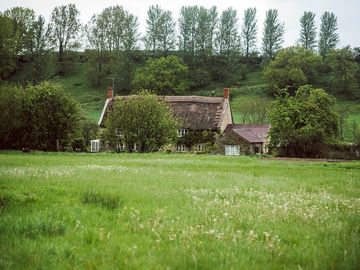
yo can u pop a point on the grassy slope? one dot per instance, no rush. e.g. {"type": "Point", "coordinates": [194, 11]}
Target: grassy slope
{"type": "Point", "coordinates": [154, 211]}
{"type": "Point", "coordinates": [252, 89]}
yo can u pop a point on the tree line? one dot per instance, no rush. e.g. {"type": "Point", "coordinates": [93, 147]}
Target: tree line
{"type": "Point", "coordinates": [217, 46]}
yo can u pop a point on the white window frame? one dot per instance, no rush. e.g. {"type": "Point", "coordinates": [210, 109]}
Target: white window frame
{"type": "Point", "coordinates": [180, 148]}
{"type": "Point", "coordinates": [181, 132]}
{"type": "Point", "coordinates": [199, 147]}
{"type": "Point", "coordinates": [121, 147]}
{"type": "Point", "coordinates": [95, 146]}
{"type": "Point", "coordinates": [232, 150]}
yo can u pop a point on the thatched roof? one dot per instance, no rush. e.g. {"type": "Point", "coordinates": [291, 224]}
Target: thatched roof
{"type": "Point", "coordinates": [195, 112]}
{"type": "Point", "coordinates": [251, 133]}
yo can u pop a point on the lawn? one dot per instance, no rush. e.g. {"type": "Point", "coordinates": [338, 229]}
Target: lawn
{"type": "Point", "coordinates": [165, 211]}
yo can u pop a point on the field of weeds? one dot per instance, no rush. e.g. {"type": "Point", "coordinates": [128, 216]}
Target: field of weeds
{"type": "Point", "coordinates": [159, 211]}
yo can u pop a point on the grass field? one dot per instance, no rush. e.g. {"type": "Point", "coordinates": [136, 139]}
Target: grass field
{"type": "Point", "coordinates": [159, 211]}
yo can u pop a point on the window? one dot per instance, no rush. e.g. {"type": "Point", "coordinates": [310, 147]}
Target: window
{"type": "Point", "coordinates": [232, 150]}
{"type": "Point", "coordinates": [180, 148]}
{"type": "Point", "coordinates": [95, 146]}
{"type": "Point", "coordinates": [120, 147]}
{"type": "Point", "coordinates": [199, 147]}
{"type": "Point", "coordinates": [181, 132]}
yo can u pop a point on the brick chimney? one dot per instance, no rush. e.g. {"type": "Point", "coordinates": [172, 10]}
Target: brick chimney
{"type": "Point", "coordinates": [110, 92]}
{"type": "Point", "coordinates": [226, 93]}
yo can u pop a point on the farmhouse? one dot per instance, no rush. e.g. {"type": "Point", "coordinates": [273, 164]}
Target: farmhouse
{"type": "Point", "coordinates": [197, 114]}
{"type": "Point", "coordinates": [244, 139]}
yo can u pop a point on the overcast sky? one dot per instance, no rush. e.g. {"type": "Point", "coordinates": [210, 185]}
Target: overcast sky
{"type": "Point", "coordinates": [290, 11]}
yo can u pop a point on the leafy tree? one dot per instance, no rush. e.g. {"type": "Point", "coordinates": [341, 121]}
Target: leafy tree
{"type": "Point", "coordinates": [23, 19]}
{"type": "Point", "coordinates": [228, 35]}
{"type": "Point", "coordinates": [160, 32]}
{"type": "Point", "coordinates": [291, 68]}
{"type": "Point", "coordinates": [328, 36]}
{"type": "Point", "coordinates": [302, 125]}
{"type": "Point", "coordinates": [143, 120]}
{"type": "Point", "coordinates": [65, 27]}
{"type": "Point", "coordinates": [343, 70]}
{"type": "Point", "coordinates": [205, 32]}
{"type": "Point", "coordinates": [51, 117]}
{"type": "Point", "coordinates": [98, 43]}
{"type": "Point", "coordinates": [249, 30]}
{"type": "Point", "coordinates": [187, 28]}
{"type": "Point", "coordinates": [308, 30]}
{"type": "Point", "coordinates": [41, 54]}
{"type": "Point", "coordinates": [272, 34]}
{"type": "Point", "coordinates": [8, 41]}
{"type": "Point", "coordinates": [164, 76]}
{"type": "Point", "coordinates": [11, 123]}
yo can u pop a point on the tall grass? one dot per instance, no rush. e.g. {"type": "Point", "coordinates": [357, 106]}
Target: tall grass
{"type": "Point", "coordinates": [161, 211]}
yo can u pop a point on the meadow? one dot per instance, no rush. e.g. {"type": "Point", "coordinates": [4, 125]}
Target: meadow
{"type": "Point", "coordinates": [167, 211]}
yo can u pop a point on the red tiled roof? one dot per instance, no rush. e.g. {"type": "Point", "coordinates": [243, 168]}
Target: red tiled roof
{"type": "Point", "coordinates": [251, 133]}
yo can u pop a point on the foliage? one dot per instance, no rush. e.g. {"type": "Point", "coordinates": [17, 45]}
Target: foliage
{"type": "Point", "coordinates": [249, 30]}
{"type": "Point", "coordinates": [291, 68]}
{"type": "Point", "coordinates": [160, 32]}
{"type": "Point", "coordinates": [272, 34]}
{"type": "Point", "coordinates": [65, 26]}
{"type": "Point", "coordinates": [51, 117]}
{"type": "Point", "coordinates": [302, 125]}
{"type": "Point", "coordinates": [328, 36]}
{"type": "Point", "coordinates": [90, 131]}
{"type": "Point", "coordinates": [308, 30]}
{"type": "Point", "coordinates": [7, 47]}
{"type": "Point", "coordinates": [153, 211]}
{"type": "Point", "coordinates": [228, 35]}
{"type": "Point", "coordinates": [343, 70]}
{"type": "Point", "coordinates": [38, 117]}
{"type": "Point", "coordinates": [111, 45]}
{"type": "Point", "coordinates": [11, 123]}
{"type": "Point", "coordinates": [143, 120]}
{"type": "Point", "coordinates": [164, 76]}
{"type": "Point", "coordinates": [193, 137]}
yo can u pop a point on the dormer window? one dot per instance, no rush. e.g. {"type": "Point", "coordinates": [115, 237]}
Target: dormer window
{"type": "Point", "coordinates": [181, 132]}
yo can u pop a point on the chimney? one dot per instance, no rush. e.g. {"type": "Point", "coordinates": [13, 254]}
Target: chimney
{"type": "Point", "coordinates": [226, 93]}
{"type": "Point", "coordinates": [110, 92]}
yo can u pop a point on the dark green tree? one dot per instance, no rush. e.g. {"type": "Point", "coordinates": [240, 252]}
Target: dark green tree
{"type": "Point", "coordinates": [51, 117]}
{"type": "Point", "coordinates": [291, 68]}
{"type": "Point", "coordinates": [249, 30]}
{"type": "Point", "coordinates": [8, 52]}
{"type": "Point", "coordinates": [328, 36]}
{"type": "Point", "coordinates": [308, 30]}
{"type": "Point", "coordinates": [343, 70]}
{"type": "Point", "coordinates": [303, 125]}
{"type": "Point", "coordinates": [160, 31]}
{"type": "Point", "coordinates": [143, 120]}
{"type": "Point", "coordinates": [228, 34]}
{"type": "Point", "coordinates": [164, 76]}
{"type": "Point", "coordinates": [273, 34]}
{"type": "Point", "coordinates": [65, 29]}
{"type": "Point", "coordinates": [11, 117]}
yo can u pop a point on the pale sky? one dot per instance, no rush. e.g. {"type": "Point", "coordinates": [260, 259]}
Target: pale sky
{"type": "Point", "coordinates": [290, 11]}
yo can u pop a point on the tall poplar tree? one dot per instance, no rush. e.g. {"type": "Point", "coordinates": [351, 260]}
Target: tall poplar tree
{"type": "Point", "coordinates": [249, 30]}
{"type": "Point", "coordinates": [272, 34]}
{"type": "Point", "coordinates": [308, 30]}
{"type": "Point", "coordinates": [328, 36]}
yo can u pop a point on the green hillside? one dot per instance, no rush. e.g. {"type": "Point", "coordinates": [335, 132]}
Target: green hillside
{"type": "Point", "coordinates": [250, 90]}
